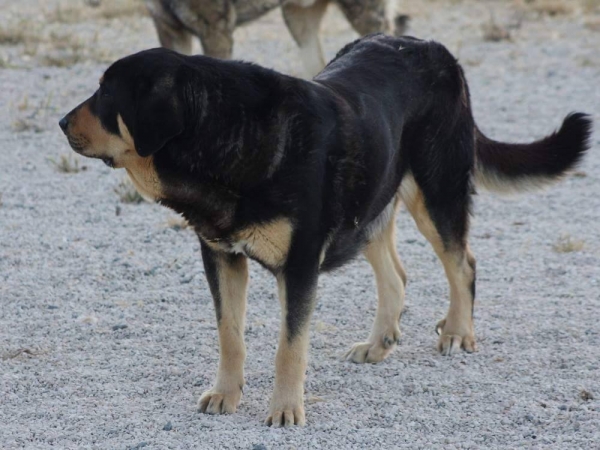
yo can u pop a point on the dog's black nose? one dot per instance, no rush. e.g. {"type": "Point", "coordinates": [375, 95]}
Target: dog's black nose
{"type": "Point", "coordinates": [64, 123]}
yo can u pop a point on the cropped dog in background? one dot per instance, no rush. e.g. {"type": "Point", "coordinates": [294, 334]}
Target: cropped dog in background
{"type": "Point", "coordinates": [213, 22]}
{"type": "Point", "coordinates": [302, 176]}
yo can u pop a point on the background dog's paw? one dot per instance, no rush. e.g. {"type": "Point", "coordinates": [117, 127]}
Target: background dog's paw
{"type": "Point", "coordinates": [453, 339]}
{"type": "Point", "coordinates": [215, 402]}
{"type": "Point", "coordinates": [373, 352]}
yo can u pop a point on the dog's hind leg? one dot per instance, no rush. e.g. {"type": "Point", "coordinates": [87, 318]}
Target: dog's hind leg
{"type": "Point", "coordinates": [456, 330]}
{"type": "Point", "coordinates": [227, 276]}
{"type": "Point", "coordinates": [391, 279]}
{"type": "Point", "coordinates": [304, 23]}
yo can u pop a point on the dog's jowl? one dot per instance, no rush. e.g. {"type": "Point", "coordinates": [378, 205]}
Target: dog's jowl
{"type": "Point", "coordinates": [302, 176]}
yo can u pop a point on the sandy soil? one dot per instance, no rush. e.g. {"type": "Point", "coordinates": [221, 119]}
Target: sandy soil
{"type": "Point", "coordinates": [107, 330]}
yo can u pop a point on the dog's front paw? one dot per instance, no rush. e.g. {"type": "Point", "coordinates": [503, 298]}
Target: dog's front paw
{"type": "Point", "coordinates": [374, 350]}
{"type": "Point", "coordinates": [286, 416]}
{"type": "Point", "coordinates": [217, 401]}
{"type": "Point", "coordinates": [454, 337]}
{"type": "Point", "coordinates": [286, 409]}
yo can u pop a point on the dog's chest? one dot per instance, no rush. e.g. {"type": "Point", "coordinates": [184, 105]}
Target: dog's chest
{"type": "Point", "coordinates": [268, 243]}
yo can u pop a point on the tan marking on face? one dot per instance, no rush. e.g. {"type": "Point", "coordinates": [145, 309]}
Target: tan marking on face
{"type": "Point", "coordinates": [269, 243]}
{"type": "Point", "coordinates": [87, 132]}
{"type": "Point", "coordinates": [226, 392]}
{"type": "Point", "coordinates": [101, 80]}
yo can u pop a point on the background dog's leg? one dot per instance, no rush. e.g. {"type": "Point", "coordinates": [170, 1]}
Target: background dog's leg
{"type": "Point", "coordinates": [228, 279]}
{"type": "Point", "coordinates": [304, 24]}
{"type": "Point", "coordinates": [217, 41]}
{"type": "Point", "coordinates": [366, 16]}
{"type": "Point", "coordinates": [172, 37]}
{"type": "Point", "coordinates": [297, 293]}
{"type": "Point", "coordinates": [456, 330]}
{"type": "Point", "coordinates": [391, 279]}
{"type": "Point", "coordinates": [171, 33]}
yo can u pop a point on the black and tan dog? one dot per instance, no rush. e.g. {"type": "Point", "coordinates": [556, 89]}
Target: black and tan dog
{"type": "Point", "coordinates": [302, 176]}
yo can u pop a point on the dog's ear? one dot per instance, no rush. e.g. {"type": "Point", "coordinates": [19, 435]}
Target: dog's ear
{"type": "Point", "coordinates": [159, 118]}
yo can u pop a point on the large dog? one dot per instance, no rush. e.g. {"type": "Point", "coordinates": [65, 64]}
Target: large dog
{"type": "Point", "coordinates": [302, 176]}
{"type": "Point", "coordinates": [214, 21]}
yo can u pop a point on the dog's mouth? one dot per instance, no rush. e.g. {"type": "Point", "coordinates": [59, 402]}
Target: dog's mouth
{"type": "Point", "coordinates": [79, 145]}
{"type": "Point", "coordinates": [109, 162]}
{"type": "Point", "coordinates": [76, 144]}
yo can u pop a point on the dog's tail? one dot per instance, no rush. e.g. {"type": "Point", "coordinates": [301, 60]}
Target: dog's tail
{"type": "Point", "coordinates": [510, 168]}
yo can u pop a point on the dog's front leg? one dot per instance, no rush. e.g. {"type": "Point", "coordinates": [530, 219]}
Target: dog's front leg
{"type": "Point", "coordinates": [297, 293]}
{"type": "Point", "coordinates": [227, 276]}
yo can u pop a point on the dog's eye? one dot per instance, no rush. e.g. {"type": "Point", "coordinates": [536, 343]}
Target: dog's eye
{"type": "Point", "coordinates": [104, 92]}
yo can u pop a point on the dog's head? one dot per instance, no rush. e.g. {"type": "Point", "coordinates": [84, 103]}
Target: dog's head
{"type": "Point", "coordinates": [136, 110]}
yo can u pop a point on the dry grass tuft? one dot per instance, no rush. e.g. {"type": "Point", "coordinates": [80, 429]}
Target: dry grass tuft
{"type": "Point", "coordinates": [122, 8]}
{"type": "Point", "coordinates": [127, 192]}
{"type": "Point", "coordinates": [591, 6]}
{"type": "Point", "coordinates": [22, 124]}
{"type": "Point", "coordinates": [592, 23]}
{"type": "Point", "coordinates": [67, 163]}
{"type": "Point", "coordinates": [567, 244]}
{"type": "Point", "coordinates": [586, 395]}
{"type": "Point", "coordinates": [552, 7]}
{"type": "Point", "coordinates": [18, 32]}
{"type": "Point", "coordinates": [33, 120]}
{"type": "Point", "coordinates": [492, 32]}
{"type": "Point", "coordinates": [177, 223]}
{"type": "Point", "coordinates": [74, 12]}
{"type": "Point", "coordinates": [58, 38]}
{"type": "Point", "coordinates": [22, 351]}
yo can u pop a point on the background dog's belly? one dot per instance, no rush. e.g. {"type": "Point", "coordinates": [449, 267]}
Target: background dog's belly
{"type": "Point", "coordinates": [248, 10]}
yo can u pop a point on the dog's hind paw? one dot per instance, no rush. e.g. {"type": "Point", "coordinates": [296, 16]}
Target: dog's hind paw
{"type": "Point", "coordinates": [373, 351]}
{"type": "Point", "coordinates": [451, 340]}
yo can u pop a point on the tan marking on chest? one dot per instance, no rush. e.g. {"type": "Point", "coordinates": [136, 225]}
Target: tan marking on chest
{"type": "Point", "coordinates": [268, 243]}
{"type": "Point", "coordinates": [140, 170]}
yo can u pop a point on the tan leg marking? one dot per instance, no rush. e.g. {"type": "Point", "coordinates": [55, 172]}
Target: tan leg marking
{"type": "Point", "coordinates": [225, 395]}
{"type": "Point", "coordinates": [269, 243]}
{"type": "Point", "coordinates": [390, 278]}
{"type": "Point", "coordinates": [456, 330]}
{"type": "Point", "coordinates": [287, 403]}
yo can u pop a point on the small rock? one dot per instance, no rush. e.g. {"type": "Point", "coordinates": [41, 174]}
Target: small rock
{"type": "Point", "coordinates": [168, 426]}
{"type": "Point", "coordinates": [586, 395]}
{"type": "Point", "coordinates": [121, 326]}
{"type": "Point", "coordinates": [529, 417]}
{"type": "Point", "coordinates": [52, 307]}
{"type": "Point", "coordinates": [140, 445]}
{"type": "Point", "coordinates": [563, 407]}
{"type": "Point", "coordinates": [259, 447]}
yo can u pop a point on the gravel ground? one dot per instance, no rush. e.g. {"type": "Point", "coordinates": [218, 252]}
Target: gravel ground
{"type": "Point", "coordinates": [107, 330]}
